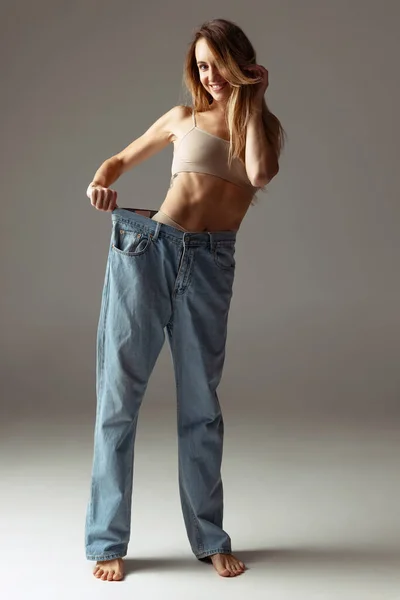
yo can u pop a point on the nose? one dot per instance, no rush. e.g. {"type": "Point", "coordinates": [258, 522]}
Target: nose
{"type": "Point", "coordinates": [214, 75]}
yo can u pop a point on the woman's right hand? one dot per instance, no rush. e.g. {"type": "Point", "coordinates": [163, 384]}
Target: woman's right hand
{"type": "Point", "coordinates": [102, 198]}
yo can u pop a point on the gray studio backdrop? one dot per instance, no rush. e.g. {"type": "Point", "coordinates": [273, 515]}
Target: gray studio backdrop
{"type": "Point", "coordinates": [314, 324]}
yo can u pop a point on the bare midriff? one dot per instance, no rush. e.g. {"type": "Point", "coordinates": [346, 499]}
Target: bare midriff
{"type": "Point", "coordinates": [202, 202]}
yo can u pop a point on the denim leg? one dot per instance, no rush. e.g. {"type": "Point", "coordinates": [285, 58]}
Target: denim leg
{"type": "Point", "coordinates": [158, 276]}
{"type": "Point", "coordinates": [197, 337]}
{"type": "Point", "coordinates": [129, 339]}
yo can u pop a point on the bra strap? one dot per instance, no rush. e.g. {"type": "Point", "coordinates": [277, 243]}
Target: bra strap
{"type": "Point", "coordinates": [194, 118]}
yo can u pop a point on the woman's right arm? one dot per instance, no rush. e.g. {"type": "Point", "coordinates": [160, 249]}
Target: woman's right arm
{"type": "Point", "coordinates": [157, 137]}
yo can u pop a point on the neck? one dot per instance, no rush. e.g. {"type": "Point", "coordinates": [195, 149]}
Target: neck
{"type": "Point", "coordinates": [219, 108]}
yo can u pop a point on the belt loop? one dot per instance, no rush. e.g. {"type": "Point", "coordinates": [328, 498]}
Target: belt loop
{"type": "Point", "coordinates": [212, 243]}
{"type": "Point", "coordinates": [157, 231]}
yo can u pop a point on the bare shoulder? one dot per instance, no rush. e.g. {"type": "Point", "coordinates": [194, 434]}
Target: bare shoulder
{"type": "Point", "coordinates": [181, 111]}
{"type": "Point", "coordinates": [175, 116]}
{"type": "Point", "coordinates": [178, 123]}
{"type": "Point", "coordinates": [159, 135]}
{"type": "Point", "coordinates": [172, 121]}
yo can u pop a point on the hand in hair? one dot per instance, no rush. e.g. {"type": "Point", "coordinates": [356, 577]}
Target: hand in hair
{"type": "Point", "coordinates": [261, 73]}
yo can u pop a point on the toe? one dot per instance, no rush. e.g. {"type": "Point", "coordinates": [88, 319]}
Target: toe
{"type": "Point", "coordinates": [223, 571]}
{"type": "Point", "coordinates": [99, 573]}
{"type": "Point", "coordinates": [110, 575]}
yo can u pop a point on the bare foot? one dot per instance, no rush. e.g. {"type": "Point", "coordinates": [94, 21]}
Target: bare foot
{"type": "Point", "coordinates": [109, 570]}
{"type": "Point", "coordinates": [227, 565]}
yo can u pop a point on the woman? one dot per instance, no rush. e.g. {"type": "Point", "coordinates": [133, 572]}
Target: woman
{"type": "Point", "coordinates": [173, 269]}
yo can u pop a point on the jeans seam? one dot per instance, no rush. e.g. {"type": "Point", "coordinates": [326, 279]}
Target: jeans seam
{"type": "Point", "coordinates": [102, 324]}
{"type": "Point", "coordinates": [199, 541]}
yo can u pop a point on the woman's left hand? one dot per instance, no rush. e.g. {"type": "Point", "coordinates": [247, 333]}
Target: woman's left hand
{"type": "Point", "coordinates": [262, 72]}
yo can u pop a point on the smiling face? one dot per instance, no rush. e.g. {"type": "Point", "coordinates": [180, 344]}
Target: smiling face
{"type": "Point", "coordinates": [209, 75]}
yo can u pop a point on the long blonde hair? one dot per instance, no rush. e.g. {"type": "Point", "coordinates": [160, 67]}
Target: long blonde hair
{"type": "Point", "coordinates": [232, 51]}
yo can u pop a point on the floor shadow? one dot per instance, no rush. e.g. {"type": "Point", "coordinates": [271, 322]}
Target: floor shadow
{"type": "Point", "coordinates": [284, 557]}
{"type": "Point", "coordinates": [330, 556]}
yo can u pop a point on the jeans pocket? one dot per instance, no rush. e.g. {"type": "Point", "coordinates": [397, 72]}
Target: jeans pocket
{"type": "Point", "coordinates": [224, 255]}
{"type": "Point", "coordinates": [130, 241]}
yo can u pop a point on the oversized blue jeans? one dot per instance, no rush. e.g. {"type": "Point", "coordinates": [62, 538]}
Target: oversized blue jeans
{"type": "Point", "coordinates": [159, 278]}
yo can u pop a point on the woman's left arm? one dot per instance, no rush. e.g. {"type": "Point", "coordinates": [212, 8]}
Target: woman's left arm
{"type": "Point", "coordinates": [260, 158]}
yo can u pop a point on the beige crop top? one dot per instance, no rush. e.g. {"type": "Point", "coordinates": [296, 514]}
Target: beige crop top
{"type": "Point", "coordinates": [201, 152]}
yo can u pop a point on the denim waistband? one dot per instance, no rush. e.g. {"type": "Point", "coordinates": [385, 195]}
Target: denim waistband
{"type": "Point", "coordinates": [136, 218]}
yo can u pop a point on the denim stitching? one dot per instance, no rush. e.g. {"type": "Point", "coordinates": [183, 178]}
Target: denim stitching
{"type": "Point", "coordinates": [185, 286]}
{"type": "Point", "coordinates": [132, 254]}
{"type": "Point", "coordinates": [219, 265]}
{"type": "Point", "coordinates": [130, 477]}
{"type": "Point", "coordinates": [102, 325]}
{"type": "Point", "coordinates": [135, 224]}
{"type": "Point", "coordinates": [215, 551]}
{"type": "Point", "coordinates": [106, 556]}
